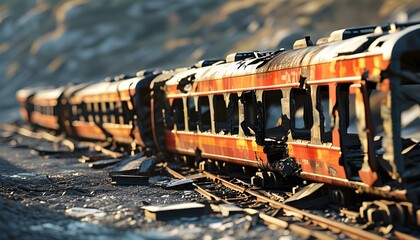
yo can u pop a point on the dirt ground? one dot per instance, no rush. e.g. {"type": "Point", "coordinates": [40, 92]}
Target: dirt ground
{"type": "Point", "coordinates": [40, 197]}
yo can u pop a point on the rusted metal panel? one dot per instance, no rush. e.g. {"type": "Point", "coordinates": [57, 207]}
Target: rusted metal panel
{"type": "Point", "coordinates": [239, 150]}
{"type": "Point", "coordinates": [44, 120]}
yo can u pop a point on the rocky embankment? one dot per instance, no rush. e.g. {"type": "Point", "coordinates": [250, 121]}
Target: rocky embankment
{"type": "Point", "coordinates": [48, 42]}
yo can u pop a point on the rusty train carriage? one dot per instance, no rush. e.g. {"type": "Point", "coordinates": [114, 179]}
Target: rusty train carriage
{"type": "Point", "coordinates": [314, 87]}
{"type": "Point", "coordinates": [101, 112]}
{"type": "Point", "coordinates": [24, 98]}
{"type": "Point", "coordinates": [329, 112]}
{"type": "Point", "coordinates": [106, 110]}
{"type": "Point", "coordinates": [45, 108]}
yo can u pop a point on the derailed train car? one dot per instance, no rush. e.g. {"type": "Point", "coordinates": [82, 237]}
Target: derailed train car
{"type": "Point", "coordinates": [330, 112]}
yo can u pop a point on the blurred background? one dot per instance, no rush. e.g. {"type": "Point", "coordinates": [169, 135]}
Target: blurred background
{"type": "Point", "coordinates": [53, 42]}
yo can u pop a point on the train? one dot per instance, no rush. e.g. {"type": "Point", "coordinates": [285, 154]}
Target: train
{"type": "Point", "coordinates": [333, 112]}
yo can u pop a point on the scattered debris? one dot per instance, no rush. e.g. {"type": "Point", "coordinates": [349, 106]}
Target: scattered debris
{"type": "Point", "coordinates": [129, 165]}
{"type": "Point", "coordinates": [147, 165]}
{"type": "Point", "coordinates": [197, 177]}
{"type": "Point", "coordinates": [129, 180]}
{"type": "Point", "coordinates": [22, 143]}
{"type": "Point", "coordinates": [173, 211]}
{"type": "Point", "coordinates": [79, 212]}
{"type": "Point", "coordinates": [103, 163]}
{"type": "Point", "coordinates": [42, 150]}
{"type": "Point", "coordinates": [92, 157]}
{"type": "Point", "coordinates": [184, 183]}
{"type": "Point", "coordinates": [6, 135]}
{"type": "Point", "coordinates": [310, 196]}
{"type": "Point", "coordinates": [226, 209]}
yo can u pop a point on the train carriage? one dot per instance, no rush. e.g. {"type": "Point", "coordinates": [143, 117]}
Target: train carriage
{"type": "Point", "coordinates": [344, 111]}
{"type": "Point", "coordinates": [46, 107]}
{"type": "Point", "coordinates": [315, 100]}
{"type": "Point", "coordinates": [24, 98]}
{"type": "Point", "coordinates": [108, 110]}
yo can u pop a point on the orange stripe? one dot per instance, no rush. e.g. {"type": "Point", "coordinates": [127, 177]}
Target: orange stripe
{"type": "Point", "coordinates": [340, 69]}
{"type": "Point", "coordinates": [222, 147]}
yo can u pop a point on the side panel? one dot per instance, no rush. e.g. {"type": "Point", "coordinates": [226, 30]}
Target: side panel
{"type": "Point", "coordinates": [237, 150]}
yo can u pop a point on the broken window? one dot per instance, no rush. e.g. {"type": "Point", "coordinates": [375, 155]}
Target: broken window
{"type": "Point", "coordinates": [111, 112]}
{"type": "Point", "coordinates": [220, 114]}
{"type": "Point", "coordinates": [272, 113]}
{"type": "Point", "coordinates": [97, 113]}
{"type": "Point", "coordinates": [105, 111]}
{"type": "Point", "coordinates": [74, 111]}
{"type": "Point", "coordinates": [323, 106]}
{"type": "Point", "coordinates": [89, 108]}
{"type": "Point", "coordinates": [351, 114]}
{"type": "Point", "coordinates": [301, 114]}
{"type": "Point", "coordinates": [233, 113]}
{"type": "Point", "coordinates": [250, 125]}
{"type": "Point", "coordinates": [178, 109]}
{"type": "Point", "coordinates": [192, 115]}
{"type": "Point", "coordinates": [204, 110]}
{"type": "Point", "coordinates": [126, 113]}
{"type": "Point", "coordinates": [83, 113]}
{"type": "Point", "coordinates": [167, 114]}
{"type": "Point", "coordinates": [346, 103]}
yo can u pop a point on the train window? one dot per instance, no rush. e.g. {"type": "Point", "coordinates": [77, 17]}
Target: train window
{"type": "Point", "coordinates": [204, 110]}
{"type": "Point", "coordinates": [79, 114]}
{"type": "Point", "coordinates": [112, 115]}
{"type": "Point", "coordinates": [85, 113]}
{"type": "Point", "coordinates": [178, 109]}
{"type": "Point", "coordinates": [126, 113]}
{"type": "Point", "coordinates": [301, 114]}
{"type": "Point", "coordinates": [250, 112]}
{"type": "Point", "coordinates": [74, 111]}
{"type": "Point", "coordinates": [54, 111]}
{"type": "Point", "coordinates": [89, 108]}
{"type": "Point", "coordinates": [323, 106]}
{"type": "Point", "coordinates": [233, 113]}
{"type": "Point", "coordinates": [273, 113]}
{"type": "Point", "coordinates": [220, 114]}
{"type": "Point", "coordinates": [192, 115]}
{"type": "Point", "coordinates": [351, 115]}
{"type": "Point", "coordinates": [95, 112]}
{"type": "Point", "coordinates": [103, 111]}
{"type": "Point", "coordinates": [117, 112]}
{"type": "Point", "coordinates": [167, 114]}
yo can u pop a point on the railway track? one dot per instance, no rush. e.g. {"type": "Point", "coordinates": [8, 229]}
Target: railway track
{"type": "Point", "coordinates": [300, 222]}
{"type": "Point", "coordinates": [335, 228]}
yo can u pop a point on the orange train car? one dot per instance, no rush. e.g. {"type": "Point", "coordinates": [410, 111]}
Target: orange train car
{"type": "Point", "coordinates": [45, 108]}
{"type": "Point", "coordinates": [24, 99]}
{"type": "Point", "coordinates": [329, 112]}
{"type": "Point", "coordinates": [343, 111]}
{"type": "Point", "coordinates": [108, 110]}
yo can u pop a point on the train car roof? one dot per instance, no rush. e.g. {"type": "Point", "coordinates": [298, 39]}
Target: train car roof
{"type": "Point", "coordinates": [166, 75]}
{"type": "Point", "coordinates": [27, 92]}
{"type": "Point", "coordinates": [49, 93]}
{"type": "Point", "coordinates": [324, 53]}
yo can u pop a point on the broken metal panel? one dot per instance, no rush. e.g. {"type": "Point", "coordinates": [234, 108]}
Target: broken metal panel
{"type": "Point", "coordinates": [159, 213]}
